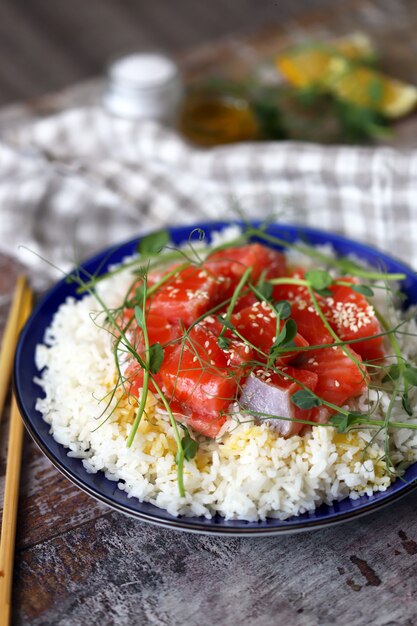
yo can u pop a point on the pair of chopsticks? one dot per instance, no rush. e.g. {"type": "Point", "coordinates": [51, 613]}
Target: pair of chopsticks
{"type": "Point", "coordinates": [19, 312]}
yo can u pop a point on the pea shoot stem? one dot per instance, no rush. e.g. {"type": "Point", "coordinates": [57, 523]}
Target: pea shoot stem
{"type": "Point", "coordinates": [342, 264]}
{"type": "Point", "coordinates": [171, 255]}
{"type": "Point", "coordinates": [305, 283]}
{"type": "Point", "coordinates": [235, 296]}
{"type": "Point", "coordinates": [365, 422]}
{"type": "Point", "coordinates": [162, 259]}
{"type": "Point", "coordinates": [144, 392]}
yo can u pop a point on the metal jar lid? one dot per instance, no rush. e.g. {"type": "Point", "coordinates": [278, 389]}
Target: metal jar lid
{"type": "Point", "coordinates": [143, 85]}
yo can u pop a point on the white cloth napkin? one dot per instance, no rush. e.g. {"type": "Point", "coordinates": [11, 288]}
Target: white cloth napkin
{"type": "Point", "coordinates": [75, 182]}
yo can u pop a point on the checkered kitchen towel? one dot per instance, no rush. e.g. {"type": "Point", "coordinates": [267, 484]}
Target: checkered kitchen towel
{"type": "Point", "coordinates": [73, 183]}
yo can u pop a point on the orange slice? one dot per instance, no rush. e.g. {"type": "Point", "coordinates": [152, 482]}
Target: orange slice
{"type": "Point", "coordinates": [305, 68]}
{"type": "Point", "coordinates": [338, 68]}
{"type": "Point", "coordinates": [309, 65]}
{"type": "Point", "coordinates": [368, 88]}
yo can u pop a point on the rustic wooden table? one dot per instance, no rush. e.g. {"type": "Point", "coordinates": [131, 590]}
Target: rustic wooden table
{"type": "Point", "coordinates": [78, 563]}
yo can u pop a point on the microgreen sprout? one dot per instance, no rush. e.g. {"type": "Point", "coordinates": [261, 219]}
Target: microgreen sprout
{"type": "Point", "coordinates": [157, 251]}
{"type": "Point", "coordinates": [225, 321]}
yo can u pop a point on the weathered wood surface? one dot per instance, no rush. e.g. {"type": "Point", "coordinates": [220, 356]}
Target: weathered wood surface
{"type": "Point", "coordinates": [78, 563]}
{"type": "Point", "coordinates": [46, 45]}
{"type": "Point", "coordinates": [114, 570]}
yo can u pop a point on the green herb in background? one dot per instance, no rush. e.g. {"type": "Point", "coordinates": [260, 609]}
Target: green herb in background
{"type": "Point", "coordinates": [332, 94]}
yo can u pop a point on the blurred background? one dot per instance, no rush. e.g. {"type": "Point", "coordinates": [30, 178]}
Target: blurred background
{"type": "Point", "coordinates": [48, 44]}
{"type": "Point", "coordinates": [329, 86]}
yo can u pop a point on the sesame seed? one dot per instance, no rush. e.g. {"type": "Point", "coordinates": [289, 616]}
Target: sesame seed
{"type": "Point", "coordinates": [202, 294]}
{"type": "Point", "coordinates": [350, 315]}
{"type": "Point", "coordinates": [336, 383]}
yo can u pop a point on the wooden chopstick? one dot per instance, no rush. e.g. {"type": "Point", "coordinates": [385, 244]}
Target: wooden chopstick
{"type": "Point", "coordinates": [11, 490]}
{"type": "Point", "coordinates": [9, 340]}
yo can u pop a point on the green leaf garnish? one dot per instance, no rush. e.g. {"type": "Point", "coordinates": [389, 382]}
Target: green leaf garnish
{"type": "Point", "coordinates": [283, 309]}
{"type": "Point", "coordinates": [223, 342]}
{"type": "Point", "coordinates": [392, 374]}
{"type": "Point", "coordinates": [156, 357]}
{"type": "Point", "coordinates": [410, 375]}
{"type": "Point", "coordinates": [405, 401]}
{"type": "Point", "coordinates": [225, 322]}
{"type": "Point", "coordinates": [139, 316]}
{"type": "Point", "coordinates": [325, 293]}
{"type": "Point", "coordinates": [279, 339]}
{"type": "Point", "coordinates": [305, 399]}
{"type": "Point", "coordinates": [342, 421]}
{"type": "Point", "coordinates": [153, 244]}
{"type": "Point", "coordinates": [319, 279]}
{"type": "Point", "coordinates": [189, 446]}
{"type": "Point", "coordinates": [264, 290]}
{"type": "Point", "coordinates": [290, 331]}
{"type": "Point", "coordinates": [363, 289]}
{"type": "Point", "coordinates": [285, 338]}
{"type": "Point", "coordinates": [139, 293]}
{"type": "Point", "coordinates": [375, 90]}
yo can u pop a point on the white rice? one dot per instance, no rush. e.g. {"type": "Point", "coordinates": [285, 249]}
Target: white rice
{"type": "Point", "coordinates": [251, 474]}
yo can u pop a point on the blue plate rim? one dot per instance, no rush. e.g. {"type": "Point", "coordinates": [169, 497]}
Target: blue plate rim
{"type": "Point", "coordinates": [181, 523]}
